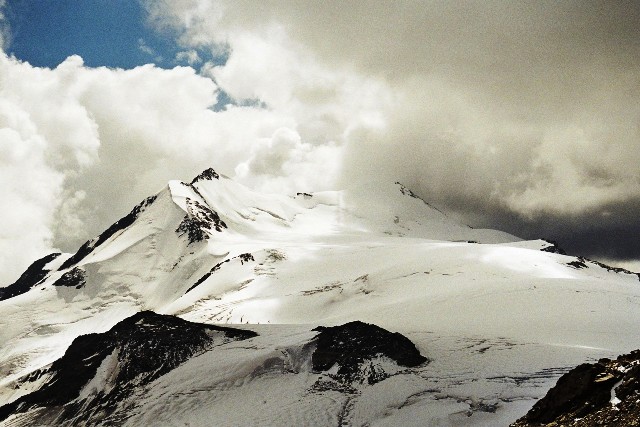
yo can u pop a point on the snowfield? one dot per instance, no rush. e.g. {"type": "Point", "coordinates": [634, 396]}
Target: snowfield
{"type": "Point", "coordinates": [500, 319]}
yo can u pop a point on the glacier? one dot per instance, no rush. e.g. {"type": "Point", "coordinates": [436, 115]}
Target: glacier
{"type": "Point", "coordinates": [497, 318]}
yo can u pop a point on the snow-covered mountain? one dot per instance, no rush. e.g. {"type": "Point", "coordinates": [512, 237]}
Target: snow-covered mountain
{"type": "Point", "coordinates": [486, 321]}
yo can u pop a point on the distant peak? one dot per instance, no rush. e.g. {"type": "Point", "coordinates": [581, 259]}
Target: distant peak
{"type": "Point", "coordinates": [206, 175]}
{"type": "Point", "coordinates": [407, 192]}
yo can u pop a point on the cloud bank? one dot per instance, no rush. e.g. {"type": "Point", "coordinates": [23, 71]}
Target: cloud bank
{"type": "Point", "coordinates": [519, 116]}
{"type": "Point", "coordinates": [80, 146]}
{"type": "Point", "coordinates": [514, 115]}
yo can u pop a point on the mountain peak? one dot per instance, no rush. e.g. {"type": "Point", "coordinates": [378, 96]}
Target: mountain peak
{"type": "Point", "coordinates": [206, 175]}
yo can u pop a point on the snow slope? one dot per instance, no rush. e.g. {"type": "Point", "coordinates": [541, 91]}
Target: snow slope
{"type": "Point", "coordinates": [500, 318]}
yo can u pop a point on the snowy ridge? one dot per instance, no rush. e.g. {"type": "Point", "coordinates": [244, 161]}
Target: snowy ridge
{"type": "Point", "coordinates": [498, 317]}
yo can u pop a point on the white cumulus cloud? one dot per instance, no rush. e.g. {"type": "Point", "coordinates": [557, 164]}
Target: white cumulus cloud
{"type": "Point", "coordinates": [81, 146]}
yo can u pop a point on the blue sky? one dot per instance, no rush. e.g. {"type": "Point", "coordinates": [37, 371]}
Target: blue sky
{"type": "Point", "coordinates": [109, 33]}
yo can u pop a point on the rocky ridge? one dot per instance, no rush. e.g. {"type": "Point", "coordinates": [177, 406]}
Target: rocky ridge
{"type": "Point", "coordinates": [606, 393]}
{"type": "Point", "coordinates": [98, 372]}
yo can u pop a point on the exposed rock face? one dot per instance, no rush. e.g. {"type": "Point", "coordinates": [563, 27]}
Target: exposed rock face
{"type": "Point", "coordinates": [30, 278]}
{"type": "Point", "coordinates": [352, 345]}
{"type": "Point", "coordinates": [199, 221]}
{"type": "Point", "coordinates": [98, 371]}
{"type": "Point", "coordinates": [606, 393]}
{"type": "Point", "coordinates": [120, 224]}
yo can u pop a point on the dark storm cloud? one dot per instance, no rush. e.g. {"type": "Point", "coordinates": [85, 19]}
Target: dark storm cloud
{"type": "Point", "coordinates": [612, 233]}
{"type": "Point", "coordinates": [523, 116]}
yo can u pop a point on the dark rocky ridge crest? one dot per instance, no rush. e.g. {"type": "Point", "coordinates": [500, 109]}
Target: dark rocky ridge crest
{"type": "Point", "coordinates": [353, 344]}
{"type": "Point", "coordinates": [121, 224]}
{"type": "Point", "coordinates": [29, 279]}
{"type": "Point", "coordinates": [146, 346]}
{"type": "Point", "coordinates": [582, 396]}
{"type": "Point", "coordinates": [246, 257]}
{"type": "Point", "coordinates": [582, 262]}
{"type": "Point", "coordinates": [407, 192]}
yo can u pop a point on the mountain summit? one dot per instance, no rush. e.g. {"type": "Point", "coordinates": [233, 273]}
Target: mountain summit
{"type": "Point", "coordinates": [351, 307]}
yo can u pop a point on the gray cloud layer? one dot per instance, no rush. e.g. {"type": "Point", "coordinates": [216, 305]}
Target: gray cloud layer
{"type": "Point", "coordinates": [517, 115]}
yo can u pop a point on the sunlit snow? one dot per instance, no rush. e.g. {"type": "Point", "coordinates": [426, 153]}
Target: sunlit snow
{"type": "Point", "coordinates": [500, 319]}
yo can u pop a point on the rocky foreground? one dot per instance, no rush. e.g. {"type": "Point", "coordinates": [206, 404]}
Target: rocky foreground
{"type": "Point", "coordinates": [606, 393]}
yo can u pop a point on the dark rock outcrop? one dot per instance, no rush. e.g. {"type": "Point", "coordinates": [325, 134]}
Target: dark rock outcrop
{"type": "Point", "coordinates": [76, 277]}
{"type": "Point", "coordinates": [120, 224]}
{"type": "Point", "coordinates": [29, 279]}
{"type": "Point", "coordinates": [553, 247]}
{"type": "Point", "coordinates": [577, 264]}
{"type": "Point", "coordinates": [353, 344]}
{"type": "Point", "coordinates": [142, 348]}
{"type": "Point", "coordinates": [583, 396]}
